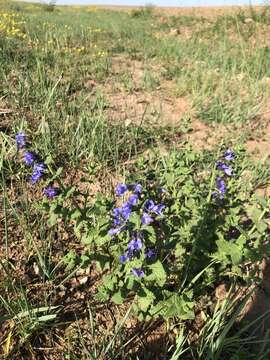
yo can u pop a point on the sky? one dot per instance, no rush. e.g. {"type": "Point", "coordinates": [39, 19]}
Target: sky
{"type": "Point", "coordinates": [161, 2]}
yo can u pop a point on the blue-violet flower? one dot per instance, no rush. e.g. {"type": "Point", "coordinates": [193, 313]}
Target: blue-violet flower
{"type": "Point", "coordinates": [221, 186]}
{"type": "Point", "coordinates": [137, 272]}
{"type": "Point", "coordinates": [38, 171]}
{"type": "Point", "coordinates": [133, 199]}
{"type": "Point", "coordinates": [138, 188]}
{"type": "Point", "coordinates": [20, 140]}
{"type": "Point", "coordinates": [227, 169]}
{"type": "Point", "coordinates": [229, 155]}
{"type": "Point", "coordinates": [135, 244]}
{"type": "Point", "coordinates": [121, 189]}
{"type": "Point", "coordinates": [51, 192]}
{"type": "Point", "coordinates": [146, 219]}
{"type": "Point", "coordinates": [29, 157]}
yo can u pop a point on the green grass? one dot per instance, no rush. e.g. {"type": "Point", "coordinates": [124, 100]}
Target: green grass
{"type": "Point", "coordinates": [60, 72]}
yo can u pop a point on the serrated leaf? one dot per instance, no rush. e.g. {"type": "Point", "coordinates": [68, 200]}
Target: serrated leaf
{"type": "Point", "coordinates": [230, 249]}
{"type": "Point", "coordinates": [145, 299]}
{"type": "Point", "coordinates": [158, 274]}
{"type": "Point", "coordinates": [181, 306]}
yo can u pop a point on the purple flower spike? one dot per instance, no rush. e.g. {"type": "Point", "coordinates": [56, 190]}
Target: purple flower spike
{"type": "Point", "coordinates": [229, 155]}
{"type": "Point", "coordinates": [227, 169]}
{"type": "Point", "coordinates": [29, 157]}
{"type": "Point", "coordinates": [20, 140]}
{"type": "Point", "coordinates": [137, 272]}
{"type": "Point", "coordinates": [149, 253]}
{"type": "Point", "coordinates": [133, 199]}
{"type": "Point", "coordinates": [121, 189]}
{"type": "Point", "coordinates": [38, 171]}
{"type": "Point", "coordinates": [149, 205]}
{"type": "Point", "coordinates": [51, 192]}
{"type": "Point", "coordinates": [146, 219]}
{"type": "Point", "coordinates": [221, 186]}
{"type": "Point", "coordinates": [138, 188]}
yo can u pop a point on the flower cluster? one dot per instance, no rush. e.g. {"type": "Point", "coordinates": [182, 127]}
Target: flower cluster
{"type": "Point", "coordinates": [227, 171]}
{"type": "Point", "coordinates": [30, 158]}
{"type": "Point", "coordinates": [11, 25]}
{"type": "Point", "coordinates": [147, 210]}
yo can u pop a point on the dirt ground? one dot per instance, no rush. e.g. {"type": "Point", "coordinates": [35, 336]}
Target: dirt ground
{"type": "Point", "coordinates": [209, 11]}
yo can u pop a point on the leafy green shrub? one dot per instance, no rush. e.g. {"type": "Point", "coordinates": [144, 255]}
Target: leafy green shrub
{"type": "Point", "coordinates": [177, 227]}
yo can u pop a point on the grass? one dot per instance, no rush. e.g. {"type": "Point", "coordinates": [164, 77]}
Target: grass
{"type": "Point", "coordinates": [96, 89]}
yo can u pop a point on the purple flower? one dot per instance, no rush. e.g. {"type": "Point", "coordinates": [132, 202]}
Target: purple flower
{"type": "Point", "coordinates": [229, 155]}
{"type": "Point", "coordinates": [29, 157]}
{"type": "Point", "coordinates": [149, 205]}
{"type": "Point", "coordinates": [157, 209]}
{"type": "Point", "coordinates": [221, 186]}
{"type": "Point", "coordinates": [135, 244]}
{"type": "Point", "coordinates": [121, 214]}
{"type": "Point", "coordinates": [126, 210]}
{"type": "Point", "coordinates": [117, 221]}
{"type": "Point", "coordinates": [38, 171]}
{"type": "Point", "coordinates": [133, 199]}
{"type": "Point", "coordinates": [138, 188]}
{"type": "Point", "coordinates": [117, 213]}
{"type": "Point", "coordinates": [146, 219]}
{"type": "Point", "coordinates": [51, 192]}
{"type": "Point", "coordinates": [114, 231]}
{"type": "Point", "coordinates": [149, 253]}
{"type": "Point", "coordinates": [123, 259]}
{"type": "Point", "coordinates": [20, 140]}
{"type": "Point", "coordinates": [227, 169]}
{"type": "Point", "coordinates": [137, 272]}
{"type": "Point", "coordinates": [121, 189]}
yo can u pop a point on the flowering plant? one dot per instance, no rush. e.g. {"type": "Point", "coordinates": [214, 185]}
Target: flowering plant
{"type": "Point", "coordinates": [178, 226]}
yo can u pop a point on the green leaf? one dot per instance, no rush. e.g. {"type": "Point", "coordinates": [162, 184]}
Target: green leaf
{"type": "Point", "coordinates": [145, 301]}
{"type": "Point", "coordinates": [108, 282]}
{"type": "Point", "coordinates": [228, 248]}
{"type": "Point", "coordinates": [75, 214]}
{"type": "Point", "coordinates": [158, 273]}
{"type": "Point", "coordinates": [135, 219]}
{"type": "Point", "coordinates": [175, 305]}
{"type": "Point", "coordinates": [117, 298]}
